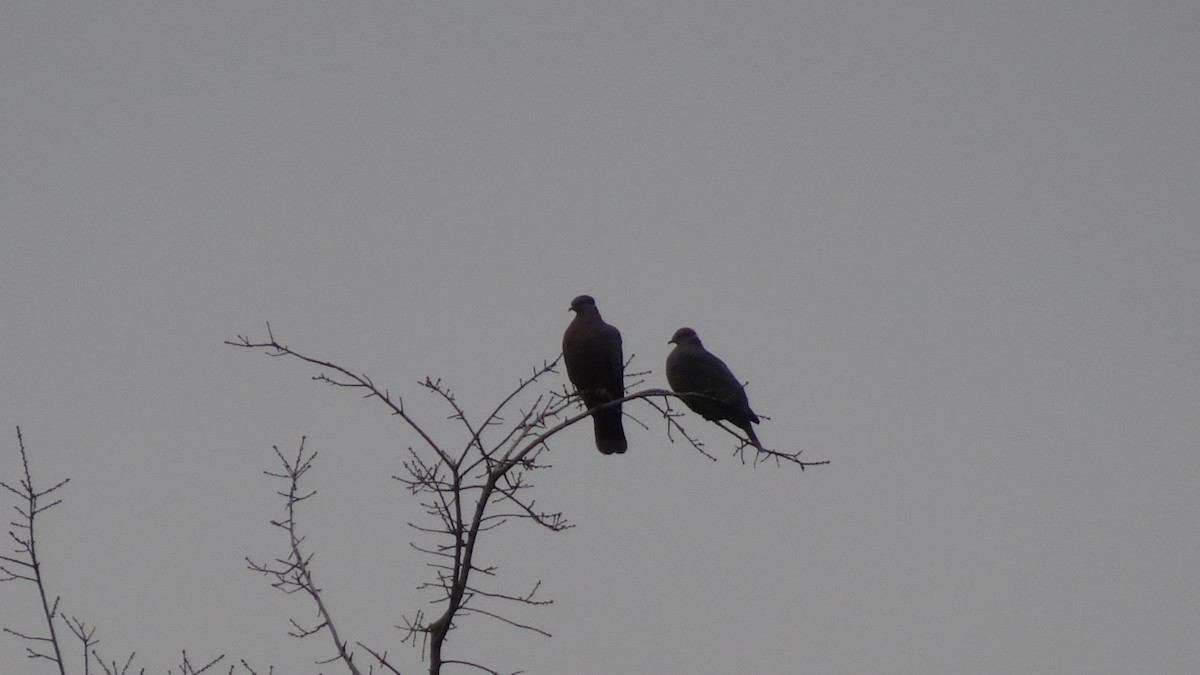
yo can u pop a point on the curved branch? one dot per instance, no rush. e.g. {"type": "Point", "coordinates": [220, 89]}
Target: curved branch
{"type": "Point", "coordinates": [356, 381]}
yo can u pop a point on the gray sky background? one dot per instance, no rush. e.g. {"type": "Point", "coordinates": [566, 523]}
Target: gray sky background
{"type": "Point", "coordinates": [952, 246]}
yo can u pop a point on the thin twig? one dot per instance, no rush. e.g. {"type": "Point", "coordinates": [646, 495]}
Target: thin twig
{"type": "Point", "coordinates": [23, 534]}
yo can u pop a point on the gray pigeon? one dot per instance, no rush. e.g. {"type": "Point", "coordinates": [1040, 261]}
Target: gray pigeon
{"type": "Point", "coordinates": [692, 369]}
{"type": "Point", "coordinates": [595, 365]}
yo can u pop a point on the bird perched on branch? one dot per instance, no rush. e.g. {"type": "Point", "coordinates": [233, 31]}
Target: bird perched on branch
{"type": "Point", "coordinates": [714, 392]}
{"type": "Point", "coordinates": [595, 365]}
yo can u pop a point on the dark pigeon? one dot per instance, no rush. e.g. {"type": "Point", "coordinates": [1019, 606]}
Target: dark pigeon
{"type": "Point", "coordinates": [595, 365]}
{"type": "Point", "coordinates": [692, 369]}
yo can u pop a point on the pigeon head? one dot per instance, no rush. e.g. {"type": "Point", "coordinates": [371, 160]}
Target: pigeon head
{"type": "Point", "coordinates": [682, 335]}
{"type": "Point", "coordinates": [581, 302]}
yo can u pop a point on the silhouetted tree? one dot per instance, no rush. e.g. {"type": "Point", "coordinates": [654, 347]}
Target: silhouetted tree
{"type": "Point", "coordinates": [475, 487]}
{"type": "Point", "coordinates": [464, 491]}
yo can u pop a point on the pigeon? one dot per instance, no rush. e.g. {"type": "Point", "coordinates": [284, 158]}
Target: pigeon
{"type": "Point", "coordinates": [595, 365]}
{"type": "Point", "coordinates": [692, 369]}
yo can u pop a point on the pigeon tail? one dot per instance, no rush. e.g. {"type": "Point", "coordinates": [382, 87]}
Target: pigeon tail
{"type": "Point", "coordinates": [753, 437]}
{"type": "Point", "coordinates": [610, 432]}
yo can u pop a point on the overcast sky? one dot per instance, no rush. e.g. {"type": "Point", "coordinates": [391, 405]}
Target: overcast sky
{"type": "Point", "coordinates": [953, 247]}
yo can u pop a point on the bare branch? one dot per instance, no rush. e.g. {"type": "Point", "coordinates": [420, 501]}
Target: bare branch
{"type": "Point", "coordinates": [381, 659]}
{"type": "Point", "coordinates": [186, 667]}
{"type": "Point", "coordinates": [26, 540]}
{"type": "Point", "coordinates": [86, 636]}
{"type": "Point", "coordinates": [525, 599]}
{"type": "Point", "coordinates": [294, 574]}
{"type": "Point", "coordinates": [353, 380]}
{"type": "Point", "coordinates": [115, 669]}
{"type": "Point", "coordinates": [476, 610]}
{"type": "Point", "coordinates": [472, 664]}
